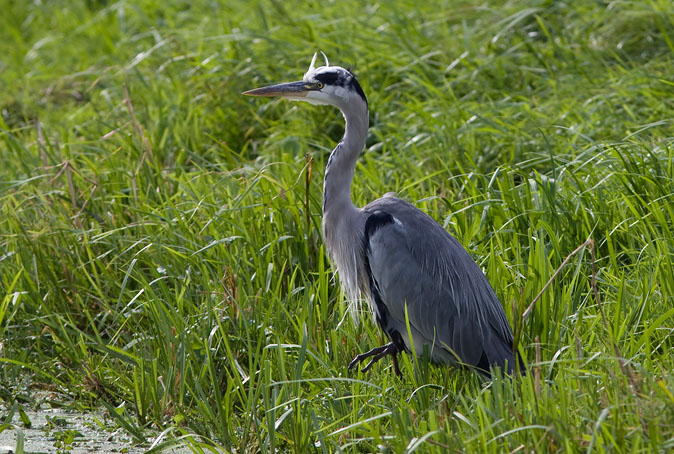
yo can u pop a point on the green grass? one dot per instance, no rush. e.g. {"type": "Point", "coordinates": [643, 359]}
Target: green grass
{"type": "Point", "coordinates": [160, 246]}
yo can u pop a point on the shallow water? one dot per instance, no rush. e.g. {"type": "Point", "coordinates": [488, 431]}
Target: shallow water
{"type": "Point", "coordinates": [50, 430]}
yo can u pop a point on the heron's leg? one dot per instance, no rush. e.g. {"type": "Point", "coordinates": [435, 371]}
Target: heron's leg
{"type": "Point", "coordinates": [363, 356]}
{"type": "Point", "coordinates": [396, 369]}
{"type": "Point", "coordinates": [378, 353]}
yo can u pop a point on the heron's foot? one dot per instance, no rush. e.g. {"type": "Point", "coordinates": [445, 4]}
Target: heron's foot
{"type": "Point", "coordinates": [377, 354]}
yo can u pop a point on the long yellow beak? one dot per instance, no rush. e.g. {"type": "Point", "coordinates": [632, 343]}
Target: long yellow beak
{"type": "Point", "coordinates": [289, 90]}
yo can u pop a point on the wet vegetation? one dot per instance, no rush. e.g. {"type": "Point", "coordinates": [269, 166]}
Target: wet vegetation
{"type": "Point", "coordinates": [160, 247]}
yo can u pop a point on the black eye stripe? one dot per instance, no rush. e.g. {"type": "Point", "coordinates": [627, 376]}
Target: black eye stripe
{"type": "Point", "coordinates": [330, 78]}
{"type": "Point", "coordinates": [340, 79]}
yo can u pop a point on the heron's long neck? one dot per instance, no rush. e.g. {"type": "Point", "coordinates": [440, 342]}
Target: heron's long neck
{"type": "Point", "coordinates": [342, 162]}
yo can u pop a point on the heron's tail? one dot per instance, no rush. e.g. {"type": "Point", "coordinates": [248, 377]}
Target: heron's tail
{"type": "Point", "coordinates": [500, 354]}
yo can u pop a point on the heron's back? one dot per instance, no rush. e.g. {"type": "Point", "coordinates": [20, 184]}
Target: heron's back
{"type": "Point", "coordinates": [419, 269]}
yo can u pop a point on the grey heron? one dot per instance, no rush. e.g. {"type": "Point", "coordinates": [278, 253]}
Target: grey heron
{"type": "Point", "coordinates": [425, 290]}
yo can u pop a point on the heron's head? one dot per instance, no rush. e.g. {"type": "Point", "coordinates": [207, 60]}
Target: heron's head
{"type": "Point", "coordinates": [332, 85]}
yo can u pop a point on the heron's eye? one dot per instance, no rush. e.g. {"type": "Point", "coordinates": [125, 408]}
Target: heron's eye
{"type": "Point", "coordinates": [319, 85]}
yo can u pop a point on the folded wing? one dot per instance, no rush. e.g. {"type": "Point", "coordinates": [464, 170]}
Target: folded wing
{"type": "Point", "coordinates": [417, 266]}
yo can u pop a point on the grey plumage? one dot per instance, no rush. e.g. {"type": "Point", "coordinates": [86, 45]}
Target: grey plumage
{"type": "Point", "coordinates": [450, 305]}
{"type": "Point", "coordinates": [396, 257]}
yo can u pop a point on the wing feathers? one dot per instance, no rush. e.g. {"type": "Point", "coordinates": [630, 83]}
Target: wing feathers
{"type": "Point", "coordinates": [416, 265]}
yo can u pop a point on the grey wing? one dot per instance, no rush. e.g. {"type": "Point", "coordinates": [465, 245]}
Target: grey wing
{"type": "Point", "coordinates": [416, 266]}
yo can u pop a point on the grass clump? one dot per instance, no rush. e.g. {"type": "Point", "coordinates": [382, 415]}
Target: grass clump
{"type": "Point", "coordinates": [160, 250]}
